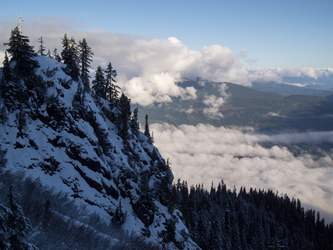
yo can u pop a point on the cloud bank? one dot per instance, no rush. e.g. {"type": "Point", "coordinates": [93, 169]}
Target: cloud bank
{"type": "Point", "coordinates": [204, 153]}
{"type": "Point", "coordinates": [149, 69]}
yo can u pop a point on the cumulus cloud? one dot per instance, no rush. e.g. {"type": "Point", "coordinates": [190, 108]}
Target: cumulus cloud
{"type": "Point", "coordinates": [149, 69]}
{"type": "Point", "coordinates": [214, 103]}
{"type": "Point", "coordinates": [203, 153]}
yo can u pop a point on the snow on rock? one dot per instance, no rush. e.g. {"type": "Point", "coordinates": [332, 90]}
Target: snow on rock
{"type": "Point", "coordinates": [70, 141]}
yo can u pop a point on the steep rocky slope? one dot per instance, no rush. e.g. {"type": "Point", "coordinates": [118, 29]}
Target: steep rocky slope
{"type": "Point", "coordinates": [56, 130]}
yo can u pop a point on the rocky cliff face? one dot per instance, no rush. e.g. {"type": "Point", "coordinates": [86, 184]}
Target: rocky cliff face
{"type": "Point", "coordinates": [55, 130]}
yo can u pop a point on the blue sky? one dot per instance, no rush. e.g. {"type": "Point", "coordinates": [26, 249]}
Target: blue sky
{"type": "Point", "coordinates": [280, 33]}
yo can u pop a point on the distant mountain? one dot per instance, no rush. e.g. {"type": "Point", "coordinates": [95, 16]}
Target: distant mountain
{"type": "Point", "coordinates": [228, 104]}
{"type": "Point", "coordinates": [286, 90]}
{"type": "Point", "coordinates": [76, 172]}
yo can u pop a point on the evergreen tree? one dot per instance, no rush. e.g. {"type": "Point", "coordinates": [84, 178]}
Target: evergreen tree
{"type": "Point", "coordinates": [47, 213]}
{"type": "Point", "coordinates": [6, 71]}
{"type": "Point", "coordinates": [69, 56]}
{"type": "Point", "coordinates": [147, 132]}
{"type": "Point", "coordinates": [56, 55]}
{"type": "Point", "coordinates": [124, 116]}
{"type": "Point", "coordinates": [119, 216]}
{"type": "Point", "coordinates": [22, 54]}
{"type": "Point", "coordinates": [85, 60]}
{"type": "Point", "coordinates": [17, 222]}
{"type": "Point", "coordinates": [10, 88]}
{"type": "Point", "coordinates": [112, 90]}
{"type": "Point", "coordinates": [41, 46]}
{"type": "Point", "coordinates": [48, 54]}
{"type": "Point", "coordinates": [134, 123]}
{"type": "Point", "coordinates": [5, 213]}
{"type": "Point", "coordinates": [98, 84]}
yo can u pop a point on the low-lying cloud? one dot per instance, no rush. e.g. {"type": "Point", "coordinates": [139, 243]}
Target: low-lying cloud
{"type": "Point", "coordinates": [213, 103]}
{"type": "Point", "coordinates": [149, 69]}
{"type": "Point", "coordinates": [206, 154]}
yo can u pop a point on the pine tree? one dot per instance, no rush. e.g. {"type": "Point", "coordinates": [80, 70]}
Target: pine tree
{"type": "Point", "coordinates": [5, 213]}
{"type": "Point", "coordinates": [10, 88]}
{"type": "Point", "coordinates": [98, 84]}
{"type": "Point", "coordinates": [6, 71]}
{"type": "Point", "coordinates": [134, 123]}
{"type": "Point", "coordinates": [47, 213]}
{"type": "Point", "coordinates": [112, 90]}
{"type": "Point", "coordinates": [17, 222]}
{"type": "Point", "coordinates": [85, 60]}
{"type": "Point", "coordinates": [124, 117]}
{"type": "Point", "coordinates": [69, 56]}
{"type": "Point", "coordinates": [22, 54]}
{"type": "Point", "coordinates": [41, 46]}
{"type": "Point", "coordinates": [147, 132]}
{"type": "Point", "coordinates": [48, 54]}
{"type": "Point", "coordinates": [56, 55]}
{"type": "Point", "coordinates": [119, 216]}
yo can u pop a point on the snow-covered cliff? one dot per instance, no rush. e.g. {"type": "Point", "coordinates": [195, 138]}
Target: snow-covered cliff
{"type": "Point", "coordinates": [58, 131]}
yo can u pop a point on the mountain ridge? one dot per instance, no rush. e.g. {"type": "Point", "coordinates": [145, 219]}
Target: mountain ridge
{"type": "Point", "coordinates": [71, 140]}
{"type": "Point", "coordinates": [228, 104]}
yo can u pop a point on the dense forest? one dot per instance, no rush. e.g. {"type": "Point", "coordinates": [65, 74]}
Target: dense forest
{"type": "Point", "coordinates": [32, 215]}
{"type": "Point", "coordinates": [259, 219]}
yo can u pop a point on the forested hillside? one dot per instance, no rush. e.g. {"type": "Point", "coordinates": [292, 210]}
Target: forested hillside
{"type": "Point", "coordinates": [76, 172]}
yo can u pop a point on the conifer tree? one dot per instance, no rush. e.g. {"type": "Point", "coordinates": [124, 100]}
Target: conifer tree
{"type": "Point", "coordinates": [69, 56]}
{"type": "Point", "coordinates": [147, 132]}
{"type": "Point", "coordinates": [18, 223]}
{"type": "Point", "coordinates": [48, 54]}
{"type": "Point", "coordinates": [119, 216]}
{"type": "Point", "coordinates": [134, 123]}
{"type": "Point", "coordinates": [56, 55]}
{"type": "Point", "coordinates": [41, 46]}
{"type": "Point", "coordinates": [124, 117]}
{"type": "Point", "coordinates": [6, 71]}
{"type": "Point", "coordinates": [22, 54]}
{"type": "Point", "coordinates": [85, 60]}
{"type": "Point", "coordinates": [98, 84]}
{"type": "Point", "coordinates": [112, 90]}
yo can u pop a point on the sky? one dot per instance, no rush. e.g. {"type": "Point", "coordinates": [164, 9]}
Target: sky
{"type": "Point", "coordinates": [155, 44]}
{"type": "Point", "coordinates": [272, 33]}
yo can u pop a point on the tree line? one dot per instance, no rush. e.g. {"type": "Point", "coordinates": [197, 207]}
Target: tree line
{"type": "Point", "coordinates": [222, 218]}
{"type": "Point", "coordinates": [19, 65]}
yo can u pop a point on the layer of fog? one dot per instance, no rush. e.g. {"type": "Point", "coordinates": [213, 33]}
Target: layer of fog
{"type": "Point", "coordinates": [206, 154]}
{"type": "Point", "coordinates": [149, 69]}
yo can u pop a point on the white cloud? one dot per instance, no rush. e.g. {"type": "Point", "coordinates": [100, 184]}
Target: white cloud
{"type": "Point", "coordinates": [203, 153]}
{"type": "Point", "coordinates": [214, 103]}
{"type": "Point", "coordinates": [148, 68]}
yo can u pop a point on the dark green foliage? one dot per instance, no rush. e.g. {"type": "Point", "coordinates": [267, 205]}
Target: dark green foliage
{"type": "Point", "coordinates": [21, 121]}
{"type": "Point", "coordinates": [119, 216]}
{"type": "Point", "coordinates": [41, 47]}
{"type": "Point", "coordinates": [17, 223]}
{"type": "Point", "coordinates": [70, 57]}
{"type": "Point", "coordinates": [168, 235]}
{"type": "Point", "coordinates": [147, 132]}
{"type": "Point", "coordinates": [134, 123]}
{"type": "Point", "coordinates": [98, 84]}
{"type": "Point", "coordinates": [112, 90]}
{"type": "Point", "coordinates": [124, 107]}
{"type": "Point", "coordinates": [85, 59]}
{"type": "Point", "coordinates": [6, 70]}
{"type": "Point", "coordinates": [22, 54]}
{"type": "Point", "coordinates": [57, 222]}
{"type": "Point", "coordinates": [3, 159]}
{"type": "Point", "coordinates": [223, 219]}
{"type": "Point", "coordinates": [104, 84]}
{"type": "Point", "coordinates": [56, 55]}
